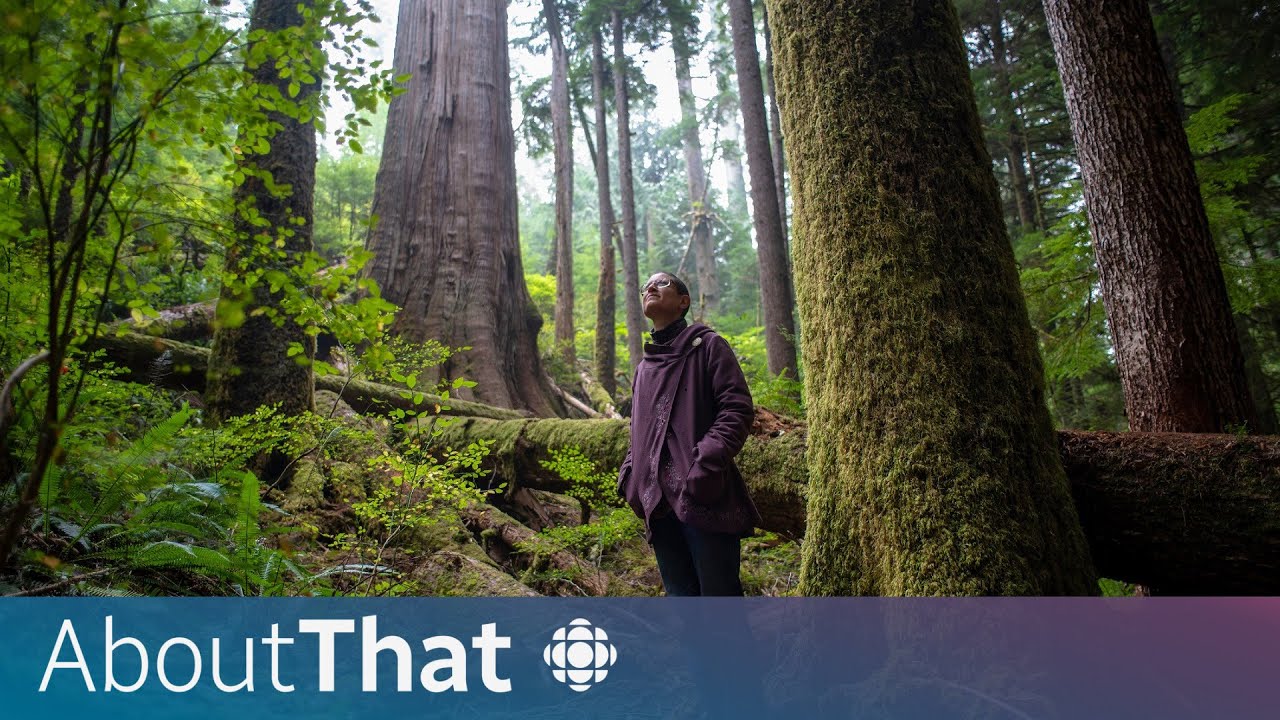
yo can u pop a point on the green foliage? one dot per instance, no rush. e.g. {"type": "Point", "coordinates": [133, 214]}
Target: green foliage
{"type": "Point", "coordinates": [596, 539]}
{"type": "Point", "coordinates": [776, 392]}
{"type": "Point", "coordinates": [425, 492]}
{"type": "Point", "coordinates": [1115, 588]}
{"type": "Point", "coordinates": [134, 506]}
{"type": "Point", "coordinates": [592, 488]}
{"type": "Point", "coordinates": [770, 565]}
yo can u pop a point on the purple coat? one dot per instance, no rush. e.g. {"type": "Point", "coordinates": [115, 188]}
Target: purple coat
{"type": "Point", "coordinates": [691, 413]}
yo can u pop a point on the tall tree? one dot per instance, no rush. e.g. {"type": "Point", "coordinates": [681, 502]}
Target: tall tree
{"type": "Point", "coordinates": [775, 124]}
{"type": "Point", "coordinates": [562, 132]}
{"type": "Point", "coordinates": [771, 244]}
{"type": "Point", "coordinates": [682, 20]}
{"type": "Point", "coordinates": [627, 196]}
{"type": "Point", "coordinates": [446, 247]}
{"type": "Point", "coordinates": [1015, 143]}
{"type": "Point", "coordinates": [932, 462]}
{"type": "Point", "coordinates": [1166, 301]}
{"type": "Point", "coordinates": [251, 365]}
{"type": "Point", "coordinates": [606, 291]}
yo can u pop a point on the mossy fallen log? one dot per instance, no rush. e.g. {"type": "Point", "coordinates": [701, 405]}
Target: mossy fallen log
{"type": "Point", "coordinates": [182, 323]}
{"type": "Point", "coordinates": [516, 548]}
{"type": "Point", "coordinates": [168, 363]}
{"type": "Point", "coordinates": [1182, 514]}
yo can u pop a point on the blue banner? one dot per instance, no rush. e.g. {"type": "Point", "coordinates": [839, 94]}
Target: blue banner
{"type": "Point", "coordinates": [641, 658]}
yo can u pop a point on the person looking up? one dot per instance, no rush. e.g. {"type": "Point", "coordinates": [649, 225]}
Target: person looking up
{"type": "Point", "coordinates": [691, 413]}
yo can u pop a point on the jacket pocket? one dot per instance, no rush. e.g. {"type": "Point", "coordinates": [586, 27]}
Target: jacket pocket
{"type": "Point", "coordinates": [703, 487]}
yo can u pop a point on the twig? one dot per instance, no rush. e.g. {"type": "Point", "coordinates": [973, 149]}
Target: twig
{"type": "Point", "coordinates": [9, 384]}
{"type": "Point", "coordinates": [573, 401]}
{"type": "Point", "coordinates": [60, 584]}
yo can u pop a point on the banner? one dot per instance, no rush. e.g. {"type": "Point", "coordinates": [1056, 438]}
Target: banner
{"type": "Point", "coordinates": [641, 658]}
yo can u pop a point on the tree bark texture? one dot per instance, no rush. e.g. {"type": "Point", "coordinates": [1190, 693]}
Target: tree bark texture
{"type": "Point", "coordinates": [704, 255]}
{"type": "Point", "coordinates": [775, 125]}
{"type": "Point", "coordinates": [931, 451]}
{"type": "Point", "coordinates": [771, 243]}
{"type": "Point", "coordinates": [606, 360]}
{"type": "Point", "coordinates": [446, 247]}
{"type": "Point", "coordinates": [250, 366]}
{"type": "Point", "coordinates": [1184, 514]}
{"type": "Point", "coordinates": [627, 198]}
{"type": "Point", "coordinates": [1166, 301]}
{"type": "Point", "coordinates": [562, 132]}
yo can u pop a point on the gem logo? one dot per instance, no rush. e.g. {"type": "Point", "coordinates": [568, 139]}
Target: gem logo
{"type": "Point", "coordinates": [579, 655]}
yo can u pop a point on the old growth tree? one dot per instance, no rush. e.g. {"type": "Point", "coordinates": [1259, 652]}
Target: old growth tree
{"type": "Point", "coordinates": [445, 246]}
{"type": "Point", "coordinates": [931, 453]}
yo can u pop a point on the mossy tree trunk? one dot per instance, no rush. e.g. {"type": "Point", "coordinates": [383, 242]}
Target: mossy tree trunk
{"type": "Point", "coordinates": [446, 246]}
{"type": "Point", "coordinates": [606, 360]}
{"type": "Point", "coordinates": [250, 365]}
{"type": "Point", "coordinates": [627, 198]}
{"type": "Point", "coordinates": [931, 451]}
{"type": "Point", "coordinates": [766, 217]}
{"type": "Point", "coordinates": [1166, 300]}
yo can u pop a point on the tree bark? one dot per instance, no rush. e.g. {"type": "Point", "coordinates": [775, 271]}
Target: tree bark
{"type": "Point", "coordinates": [1184, 514]}
{"type": "Point", "coordinates": [771, 244]}
{"type": "Point", "coordinates": [562, 131]}
{"type": "Point", "coordinates": [931, 450]}
{"type": "Point", "coordinates": [775, 125]}
{"type": "Point", "coordinates": [708, 285]}
{"type": "Point", "coordinates": [446, 247]}
{"type": "Point", "coordinates": [627, 197]}
{"type": "Point", "coordinates": [606, 360]}
{"type": "Point", "coordinates": [1176, 348]}
{"type": "Point", "coordinates": [250, 365]}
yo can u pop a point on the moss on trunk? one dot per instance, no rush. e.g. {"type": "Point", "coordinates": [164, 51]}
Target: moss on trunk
{"type": "Point", "coordinates": [931, 452]}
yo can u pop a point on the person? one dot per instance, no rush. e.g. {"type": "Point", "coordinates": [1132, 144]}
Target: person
{"type": "Point", "coordinates": [690, 415]}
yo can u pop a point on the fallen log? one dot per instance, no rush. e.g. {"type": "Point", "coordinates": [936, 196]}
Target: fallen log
{"type": "Point", "coordinates": [514, 546]}
{"type": "Point", "coordinates": [172, 364]}
{"type": "Point", "coordinates": [182, 323]}
{"type": "Point", "coordinates": [1183, 514]}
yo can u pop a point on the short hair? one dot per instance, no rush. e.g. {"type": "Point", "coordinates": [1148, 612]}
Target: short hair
{"type": "Point", "coordinates": [682, 289]}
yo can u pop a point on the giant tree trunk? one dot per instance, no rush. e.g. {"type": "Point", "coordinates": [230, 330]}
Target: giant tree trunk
{"type": "Point", "coordinates": [562, 131]}
{"type": "Point", "coordinates": [708, 285]}
{"type": "Point", "coordinates": [250, 365]}
{"type": "Point", "coordinates": [606, 290]}
{"type": "Point", "coordinates": [446, 247]}
{"type": "Point", "coordinates": [931, 452]}
{"type": "Point", "coordinates": [771, 244]}
{"type": "Point", "coordinates": [627, 197]}
{"type": "Point", "coordinates": [1166, 302]}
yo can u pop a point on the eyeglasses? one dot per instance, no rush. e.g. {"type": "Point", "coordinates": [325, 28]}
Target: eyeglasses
{"type": "Point", "coordinates": [658, 284]}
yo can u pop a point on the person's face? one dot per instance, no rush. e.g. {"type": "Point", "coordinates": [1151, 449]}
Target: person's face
{"type": "Point", "coordinates": [662, 305]}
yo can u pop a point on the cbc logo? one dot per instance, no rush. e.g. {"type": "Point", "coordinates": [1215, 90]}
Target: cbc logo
{"type": "Point", "coordinates": [580, 655]}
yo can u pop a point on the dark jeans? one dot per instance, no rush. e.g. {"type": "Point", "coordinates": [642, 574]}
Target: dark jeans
{"type": "Point", "coordinates": [696, 562]}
